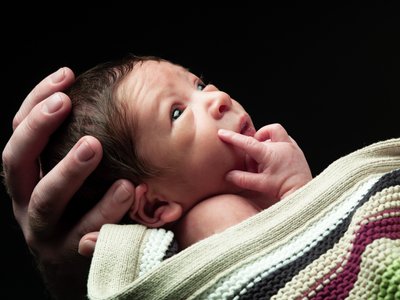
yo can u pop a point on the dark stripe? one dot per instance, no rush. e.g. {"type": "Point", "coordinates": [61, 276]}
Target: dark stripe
{"type": "Point", "coordinates": [270, 285]}
{"type": "Point", "coordinates": [340, 287]}
{"type": "Point", "coordinates": [172, 249]}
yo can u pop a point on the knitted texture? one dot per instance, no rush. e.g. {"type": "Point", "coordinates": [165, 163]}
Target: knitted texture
{"type": "Point", "coordinates": [338, 237]}
{"type": "Point", "coordinates": [155, 249]}
{"type": "Point", "coordinates": [117, 270]}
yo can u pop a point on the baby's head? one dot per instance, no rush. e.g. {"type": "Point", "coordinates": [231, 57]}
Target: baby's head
{"type": "Point", "coordinates": [158, 125]}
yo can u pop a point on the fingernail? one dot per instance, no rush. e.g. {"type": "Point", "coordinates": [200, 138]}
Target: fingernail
{"type": "Point", "coordinates": [223, 132]}
{"type": "Point", "coordinates": [86, 248]}
{"type": "Point", "coordinates": [58, 76]}
{"type": "Point", "coordinates": [52, 104]}
{"type": "Point", "coordinates": [229, 177]}
{"type": "Point", "coordinates": [121, 194]}
{"type": "Point", "coordinates": [84, 152]}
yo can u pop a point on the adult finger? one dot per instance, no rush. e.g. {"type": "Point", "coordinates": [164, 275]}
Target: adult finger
{"type": "Point", "coordinates": [110, 210]}
{"type": "Point", "coordinates": [250, 145]}
{"type": "Point", "coordinates": [54, 191]}
{"type": "Point", "coordinates": [20, 155]}
{"type": "Point", "coordinates": [87, 244]}
{"type": "Point", "coordinates": [55, 82]}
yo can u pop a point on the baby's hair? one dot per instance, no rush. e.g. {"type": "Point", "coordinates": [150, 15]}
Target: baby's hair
{"type": "Point", "coordinates": [97, 112]}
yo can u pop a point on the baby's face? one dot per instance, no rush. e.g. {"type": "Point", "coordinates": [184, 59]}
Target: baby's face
{"type": "Point", "coordinates": [178, 118]}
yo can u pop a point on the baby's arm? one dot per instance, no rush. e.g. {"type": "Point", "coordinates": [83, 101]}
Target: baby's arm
{"type": "Point", "coordinates": [276, 166]}
{"type": "Point", "coordinates": [212, 216]}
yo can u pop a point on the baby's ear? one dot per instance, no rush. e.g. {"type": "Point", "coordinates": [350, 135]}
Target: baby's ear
{"type": "Point", "coordinates": [152, 211]}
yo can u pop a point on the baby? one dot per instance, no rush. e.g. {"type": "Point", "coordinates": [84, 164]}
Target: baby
{"type": "Point", "coordinates": [183, 143]}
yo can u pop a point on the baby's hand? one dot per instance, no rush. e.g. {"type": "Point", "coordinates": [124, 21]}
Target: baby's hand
{"type": "Point", "coordinates": [276, 166]}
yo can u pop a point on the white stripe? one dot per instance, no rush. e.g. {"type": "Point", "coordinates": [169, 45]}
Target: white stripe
{"type": "Point", "coordinates": [155, 248]}
{"type": "Point", "coordinates": [262, 267]}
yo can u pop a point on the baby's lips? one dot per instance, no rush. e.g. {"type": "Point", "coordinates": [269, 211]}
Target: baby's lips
{"type": "Point", "coordinates": [248, 130]}
{"type": "Point", "coordinates": [246, 126]}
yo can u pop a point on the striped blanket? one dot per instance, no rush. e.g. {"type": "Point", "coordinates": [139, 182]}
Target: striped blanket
{"type": "Point", "coordinates": [338, 237]}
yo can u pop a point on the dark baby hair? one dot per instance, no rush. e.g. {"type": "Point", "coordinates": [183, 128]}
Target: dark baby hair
{"type": "Point", "coordinates": [97, 112]}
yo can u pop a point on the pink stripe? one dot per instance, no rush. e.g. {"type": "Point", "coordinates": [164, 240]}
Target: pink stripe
{"type": "Point", "coordinates": [340, 287]}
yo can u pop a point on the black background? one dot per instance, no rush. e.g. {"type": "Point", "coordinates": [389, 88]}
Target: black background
{"type": "Point", "coordinates": [330, 74]}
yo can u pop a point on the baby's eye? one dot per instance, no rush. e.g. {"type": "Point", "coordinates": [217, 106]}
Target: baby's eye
{"type": "Point", "coordinates": [176, 113]}
{"type": "Point", "coordinates": [201, 86]}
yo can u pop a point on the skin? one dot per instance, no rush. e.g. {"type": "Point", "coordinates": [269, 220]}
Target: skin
{"type": "Point", "coordinates": [275, 164]}
{"type": "Point", "coordinates": [39, 202]}
{"type": "Point", "coordinates": [212, 216]}
{"type": "Point", "coordinates": [192, 152]}
{"type": "Point", "coordinates": [195, 124]}
{"type": "Point", "coordinates": [275, 168]}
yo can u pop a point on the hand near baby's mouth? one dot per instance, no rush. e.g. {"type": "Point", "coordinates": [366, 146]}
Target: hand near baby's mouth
{"type": "Point", "coordinates": [275, 164]}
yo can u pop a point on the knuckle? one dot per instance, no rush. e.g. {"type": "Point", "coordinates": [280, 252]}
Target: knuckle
{"type": "Point", "coordinates": [39, 210]}
{"type": "Point", "coordinates": [273, 158]}
{"type": "Point", "coordinates": [69, 170]}
{"type": "Point", "coordinates": [38, 227]}
{"type": "Point", "coordinates": [104, 212]}
{"type": "Point", "coordinates": [278, 127]}
{"type": "Point", "coordinates": [16, 121]}
{"type": "Point", "coordinates": [242, 180]}
{"type": "Point", "coordinates": [250, 142]}
{"type": "Point", "coordinates": [7, 158]}
{"type": "Point", "coordinates": [33, 124]}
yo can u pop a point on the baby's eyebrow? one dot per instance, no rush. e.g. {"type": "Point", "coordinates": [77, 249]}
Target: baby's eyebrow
{"type": "Point", "coordinates": [202, 78]}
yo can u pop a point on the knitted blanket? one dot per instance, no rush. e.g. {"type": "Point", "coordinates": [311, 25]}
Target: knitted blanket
{"type": "Point", "coordinates": [338, 237]}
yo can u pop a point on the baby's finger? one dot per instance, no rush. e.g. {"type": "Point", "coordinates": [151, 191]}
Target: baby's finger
{"type": "Point", "coordinates": [249, 181]}
{"type": "Point", "coordinates": [274, 132]}
{"type": "Point", "coordinates": [250, 145]}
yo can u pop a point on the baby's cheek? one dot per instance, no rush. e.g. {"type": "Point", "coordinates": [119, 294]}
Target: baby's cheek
{"type": "Point", "coordinates": [239, 159]}
{"type": "Point", "coordinates": [216, 157]}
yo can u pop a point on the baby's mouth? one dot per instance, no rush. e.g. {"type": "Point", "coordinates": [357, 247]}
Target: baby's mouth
{"type": "Point", "coordinates": [246, 128]}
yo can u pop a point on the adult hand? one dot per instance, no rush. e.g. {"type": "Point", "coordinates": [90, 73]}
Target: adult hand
{"type": "Point", "coordinates": [276, 166]}
{"type": "Point", "coordinates": [88, 243]}
{"type": "Point", "coordinates": [39, 202]}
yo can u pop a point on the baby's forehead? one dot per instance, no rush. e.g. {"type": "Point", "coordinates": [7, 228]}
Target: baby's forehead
{"type": "Point", "coordinates": [151, 80]}
{"type": "Point", "coordinates": [154, 76]}
{"type": "Point", "coordinates": [160, 68]}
